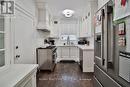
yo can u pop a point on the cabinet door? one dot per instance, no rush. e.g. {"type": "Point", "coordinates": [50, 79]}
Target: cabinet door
{"type": "Point", "coordinates": [88, 61]}
{"type": "Point", "coordinates": [65, 52]}
{"type": "Point", "coordinates": [29, 81]}
{"type": "Point", "coordinates": [83, 30]}
{"type": "Point", "coordinates": [73, 52]}
{"type": "Point", "coordinates": [59, 52]}
{"type": "Point", "coordinates": [42, 57]}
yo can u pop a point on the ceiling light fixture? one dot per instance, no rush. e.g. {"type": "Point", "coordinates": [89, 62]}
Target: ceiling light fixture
{"type": "Point", "coordinates": [68, 13]}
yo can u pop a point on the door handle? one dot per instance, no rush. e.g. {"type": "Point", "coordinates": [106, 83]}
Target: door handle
{"type": "Point", "coordinates": [103, 61]}
{"type": "Point", "coordinates": [17, 56]}
{"type": "Point", "coordinates": [17, 47]}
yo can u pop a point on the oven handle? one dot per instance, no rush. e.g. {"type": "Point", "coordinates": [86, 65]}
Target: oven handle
{"type": "Point", "coordinates": [125, 54]}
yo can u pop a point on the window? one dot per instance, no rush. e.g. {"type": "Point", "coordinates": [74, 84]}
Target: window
{"type": "Point", "coordinates": [2, 47]}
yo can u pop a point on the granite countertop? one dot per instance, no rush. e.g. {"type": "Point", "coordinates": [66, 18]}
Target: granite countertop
{"type": "Point", "coordinates": [13, 74]}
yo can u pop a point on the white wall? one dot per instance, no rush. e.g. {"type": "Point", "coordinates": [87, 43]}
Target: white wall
{"type": "Point", "coordinates": [35, 38]}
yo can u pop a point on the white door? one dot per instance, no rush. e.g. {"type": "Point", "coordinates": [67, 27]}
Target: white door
{"type": "Point", "coordinates": [21, 26]}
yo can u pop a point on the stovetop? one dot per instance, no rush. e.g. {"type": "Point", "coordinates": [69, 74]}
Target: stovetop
{"type": "Point", "coordinates": [48, 47]}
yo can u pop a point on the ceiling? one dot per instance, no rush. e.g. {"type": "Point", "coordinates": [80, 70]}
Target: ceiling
{"type": "Point", "coordinates": [57, 6]}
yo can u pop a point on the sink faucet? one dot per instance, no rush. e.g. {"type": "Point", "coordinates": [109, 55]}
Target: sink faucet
{"type": "Point", "coordinates": [68, 40]}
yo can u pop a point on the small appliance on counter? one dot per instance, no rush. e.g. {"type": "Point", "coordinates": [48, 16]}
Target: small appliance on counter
{"type": "Point", "coordinates": [52, 42]}
{"type": "Point", "coordinates": [83, 42]}
{"type": "Point", "coordinates": [49, 41]}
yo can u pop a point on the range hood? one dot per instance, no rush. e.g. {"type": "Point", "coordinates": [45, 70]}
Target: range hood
{"type": "Point", "coordinates": [43, 17]}
{"type": "Point", "coordinates": [43, 26]}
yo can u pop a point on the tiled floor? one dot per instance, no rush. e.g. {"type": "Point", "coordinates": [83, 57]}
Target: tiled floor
{"type": "Point", "coordinates": [65, 75]}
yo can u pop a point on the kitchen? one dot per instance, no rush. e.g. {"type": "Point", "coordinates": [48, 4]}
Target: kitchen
{"type": "Point", "coordinates": [72, 43]}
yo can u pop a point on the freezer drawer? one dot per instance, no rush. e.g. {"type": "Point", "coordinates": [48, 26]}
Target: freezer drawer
{"type": "Point", "coordinates": [124, 66]}
{"type": "Point", "coordinates": [96, 83]}
{"type": "Point", "coordinates": [104, 79]}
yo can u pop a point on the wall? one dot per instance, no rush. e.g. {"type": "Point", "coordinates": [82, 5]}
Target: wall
{"type": "Point", "coordinates": [33, 38]}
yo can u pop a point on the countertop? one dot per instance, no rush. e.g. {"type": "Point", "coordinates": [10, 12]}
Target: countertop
{"type": "Point", "coordinates": [83, 47]}
{"type": "Point", "coordinates": [14, 73]}
{"type": "Point", "coordinates": [66, 45]}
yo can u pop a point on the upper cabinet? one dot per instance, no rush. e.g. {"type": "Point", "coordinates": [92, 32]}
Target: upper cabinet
{"type": "Point", "coordinates": [44, 17]}
{"type": "Point", "coordinates": [87, 22]}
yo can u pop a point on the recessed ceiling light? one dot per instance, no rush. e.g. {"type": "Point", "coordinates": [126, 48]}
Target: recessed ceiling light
{"type": "Point", "coordinates": [68, 12]}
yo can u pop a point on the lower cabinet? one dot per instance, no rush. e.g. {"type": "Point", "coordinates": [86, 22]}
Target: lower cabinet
{"type": "Point", "coordinates": [68, 53]}
{"type": "Point", "coordinates": [65, 52]}
{"type": "Point", "coordinates": [87, 60]}
{"type": "Point", "coordinates": [29, 81]}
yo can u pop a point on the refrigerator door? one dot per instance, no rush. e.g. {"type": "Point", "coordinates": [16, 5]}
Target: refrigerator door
{"type": "Point", "coordinates": [101, 38]}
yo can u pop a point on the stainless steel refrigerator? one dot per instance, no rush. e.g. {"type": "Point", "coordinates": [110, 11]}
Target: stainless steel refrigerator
{"type": "Point", "coordinates": [112, 55]}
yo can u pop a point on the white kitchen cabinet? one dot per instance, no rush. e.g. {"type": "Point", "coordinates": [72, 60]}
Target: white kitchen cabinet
{"type": "Point", "coordinates": [86, 58]}
{"type": "Point", "coordinates": [67, 53]}
{"type": "Point", "coordinates": [58, 52]}
{"type": "Point", "coordinates": [19, 75]}
{"type": "Point", "coordinates": [73, 52]}
{"type": "Point", "coordinates": [65, 29]}
{"type": "Point", "coordinates": [88, 61]}
{"type": "Point", "coordinates": [44, 17]}
{"type": "Point", "coordinates": [29, 81]}
{"type": "Point", "coordinates": [87, 22]}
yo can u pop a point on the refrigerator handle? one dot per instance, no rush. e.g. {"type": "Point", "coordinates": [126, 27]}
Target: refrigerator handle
{"type": "Point", "coordinates": [102, 41]}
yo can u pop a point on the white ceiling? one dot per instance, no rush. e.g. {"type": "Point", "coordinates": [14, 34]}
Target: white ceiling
{"type": "Point", "coordinates": [57, 6]}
